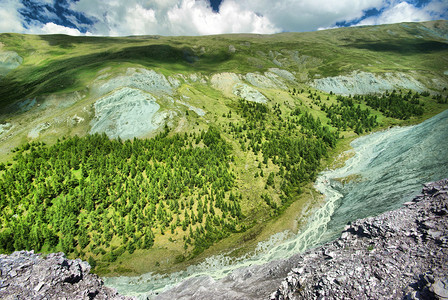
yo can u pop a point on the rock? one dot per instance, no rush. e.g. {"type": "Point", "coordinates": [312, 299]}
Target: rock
{"type": "Point", "coordinates": [248, 93]}
{"type": "Point", "coordinates": [125, 113]}
{"type": "Point", "coordinates": [396, 255]}
{"type": "Point", "coordinates": [367, 83]}
{"type": "Point", "coordinates": [31, 276]}
{"type": "Point", "coordinates": [440, 288]}
{"type": "Point", "coordinates": [9, 60]}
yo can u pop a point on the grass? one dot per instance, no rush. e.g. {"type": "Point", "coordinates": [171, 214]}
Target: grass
{"type": "Point", "coordinates": [58, 66]}
{"type": "Point", "coordinates": [54, 63]}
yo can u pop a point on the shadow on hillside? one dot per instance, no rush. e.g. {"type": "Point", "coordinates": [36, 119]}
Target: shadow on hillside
{"type": "Point", "coordinates": [403, 47]}
{"type": "Point", "coordinates": [66, 41]}
{"type": "Point", "coordinates": [32, 81]}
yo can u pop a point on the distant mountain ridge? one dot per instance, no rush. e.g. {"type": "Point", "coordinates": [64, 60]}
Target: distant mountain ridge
{"type": "Point", "coordinates": [63, 76]}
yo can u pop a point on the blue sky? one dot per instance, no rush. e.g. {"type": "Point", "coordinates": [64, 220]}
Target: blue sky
{"type": "Point", "coordinates": [201, 17]}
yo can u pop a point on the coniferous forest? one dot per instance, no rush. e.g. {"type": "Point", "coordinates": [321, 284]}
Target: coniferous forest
{"type": "Point", "coordinates": [86, 192]}
{"type": "Point", "coordinates": [104, 196]}
{"type": "Point", "coordinates": [93, 196]}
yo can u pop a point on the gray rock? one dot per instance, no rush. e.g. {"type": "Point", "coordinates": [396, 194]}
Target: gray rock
{"type": "Point", "coordinates": [30, 276]}
{"type": "Point", "coordinates": [396, 255]}
{"type": "Point", "coordinates": [440, 288]}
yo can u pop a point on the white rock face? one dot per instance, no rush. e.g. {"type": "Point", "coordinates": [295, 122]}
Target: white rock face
{"type": "Point", "coordinates": [283, 73]}
{"type": "Point", "coordinates": [4, 128]}
{"type": "Point", "coordinates": [231, 83]}
{"type": "Point", "coordinates": [276, 79]}
{"type": "Point", "coordinates": [35, 132]}
{"type": "Point", "coordinates": [9, 60]}
{"type": "Point", "coordinates": [143, 79]}
{"type": "Point", "coordinates": [197, 110]}
{"type": "Point", "coordinates": [366, 83]}
{"type": "Point", "coordinates": [260, 81]}
{"type": "Point", "coordinates": [249, 93]}
{"type": "Point", "coordinates": [175, 82]}
{"type": "Point", "coordinates": [126, 113]}
{"type": "Point", "coordinates": [224, 81]}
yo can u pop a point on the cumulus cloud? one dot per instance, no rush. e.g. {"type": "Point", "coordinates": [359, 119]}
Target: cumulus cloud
{"type": "Point", "coordinates": [406, 12]}
{"type": "Point", "coordinates": [306, 15]}
{"type": "Point", "coordinates": [10, 18]}
{"type": "Point", "coordinates": [171, 17]}
{"type": "Point", "coordinates": [51, 28]}
{"type": "Point", "coordinates": [196, 17]}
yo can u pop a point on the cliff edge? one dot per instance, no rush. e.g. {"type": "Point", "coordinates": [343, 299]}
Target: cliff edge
{"type": "Point", "coordinates": [401, 254]}
{"type": "Point", "coordinates": [26, 275]}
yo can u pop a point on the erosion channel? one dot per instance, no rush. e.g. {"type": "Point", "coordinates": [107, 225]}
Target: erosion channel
{"type": "Point", "coordinates": [386, 170]}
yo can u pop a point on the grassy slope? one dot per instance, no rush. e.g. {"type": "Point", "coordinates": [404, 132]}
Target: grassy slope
{"type": "Point", "coordinates": [59, 65]}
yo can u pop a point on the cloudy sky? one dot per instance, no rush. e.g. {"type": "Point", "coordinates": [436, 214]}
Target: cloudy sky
{"type": "Point", "coordinates": [203, 17]}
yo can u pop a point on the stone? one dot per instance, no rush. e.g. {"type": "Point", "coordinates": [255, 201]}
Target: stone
{"type": "Point", "coordinates": [31, 276]}
{"type": "Point", "coordinates": [440, 288]}
{"type": "Point", "coordinates": [400, 254]}
{"type": "Point", "coordinates": [39, 286]}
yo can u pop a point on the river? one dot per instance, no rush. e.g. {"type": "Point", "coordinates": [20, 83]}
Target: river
{"type": "Point", "coordinates": [387, 169]}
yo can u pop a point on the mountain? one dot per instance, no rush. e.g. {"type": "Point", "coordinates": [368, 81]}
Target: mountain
{"type": "Point", "coordinates": [147, 153]}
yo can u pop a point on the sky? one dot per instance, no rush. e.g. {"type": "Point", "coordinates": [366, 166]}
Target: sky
{"type": "Point", "coordinates": [205, 17]}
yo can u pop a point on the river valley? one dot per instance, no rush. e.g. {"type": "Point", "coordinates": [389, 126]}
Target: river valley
{"type": "Point", "coordinates": [386, 170]}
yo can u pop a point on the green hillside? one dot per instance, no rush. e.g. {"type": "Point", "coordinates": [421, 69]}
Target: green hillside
{"type": "Point", "coordinates": [230, 132]}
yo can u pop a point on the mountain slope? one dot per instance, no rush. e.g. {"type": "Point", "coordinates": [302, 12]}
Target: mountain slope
{"type": "Point", "coordinates": [231, 130]}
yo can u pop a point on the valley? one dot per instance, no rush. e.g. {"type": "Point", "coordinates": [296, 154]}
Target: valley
{"type": "Point", "coordinates": [153, 153]}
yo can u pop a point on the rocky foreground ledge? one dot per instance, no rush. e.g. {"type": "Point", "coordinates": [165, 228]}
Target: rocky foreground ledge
{"type": "Point", "coordinates": [25, 275]}
{"type": "Point", "coordinates": [401, 254]}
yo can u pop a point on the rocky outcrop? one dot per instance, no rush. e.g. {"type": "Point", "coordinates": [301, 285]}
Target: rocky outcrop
{"type": "Point", "coordinates": [401, 254]}
{"type": "Point", "coordinates": [367, 83]}
{"type": "Point", "coordinates": [126, 113]}
{"type": "Point", "coordinates": [9, 60]}
{"type": "Point", "coordinates": [25, 275]}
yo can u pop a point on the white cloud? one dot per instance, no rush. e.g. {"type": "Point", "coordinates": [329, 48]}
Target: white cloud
{"type": "Point", "coordinates": [309, 15]}
{"type": "Point", "coordinates": [10, 18]}
{"type": "Point", "coordinates": [196, 17]}
{"type": "Point", "coordinates": [51, 28]}
{"type": "Point", "coordinates": [117, 17]}
{"type": "Point", "coordinates": [171, 17]}
{"type": "Point", "coordinates": [405, 12]}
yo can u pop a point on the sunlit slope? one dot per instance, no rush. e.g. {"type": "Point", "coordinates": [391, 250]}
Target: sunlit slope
{"type": "Point", "coordinates": [56, 63]}
{"type": "Point", "coordinates": [232, 128]}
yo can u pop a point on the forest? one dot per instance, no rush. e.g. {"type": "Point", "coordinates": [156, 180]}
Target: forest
{"type": "Point", "coordinates": [98, 195]}
{"type": "Point", "coordinates": [97, 198]}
